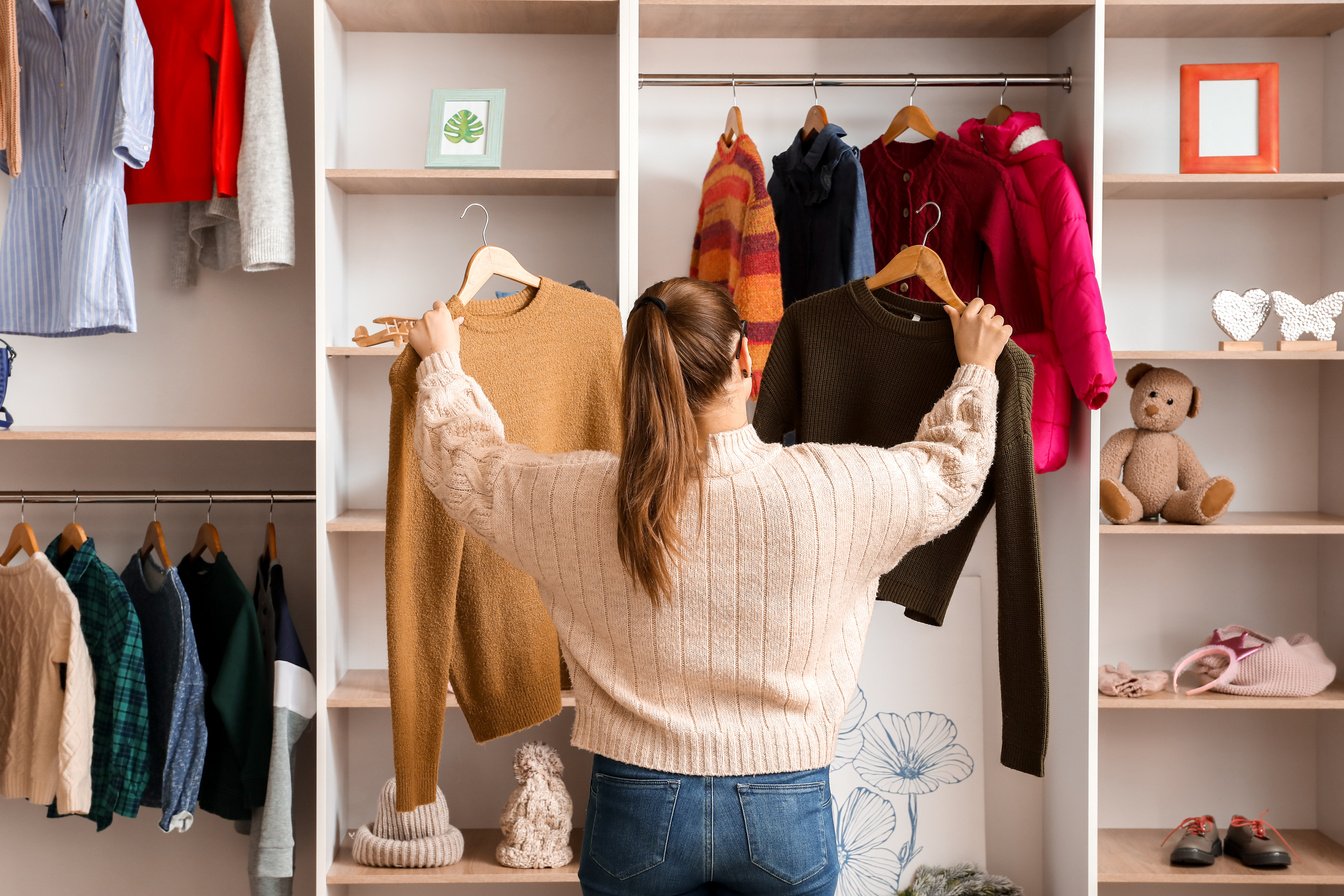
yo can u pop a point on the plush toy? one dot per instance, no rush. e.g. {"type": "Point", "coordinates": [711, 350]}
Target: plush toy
{"type": "Point", "coordinates": [537, 820]}
{"type": "Point", "coordinates": [1150, 471]}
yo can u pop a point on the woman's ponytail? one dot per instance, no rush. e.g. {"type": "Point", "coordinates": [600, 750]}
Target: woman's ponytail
{"type": "Point", "coordinates": [676, 359]}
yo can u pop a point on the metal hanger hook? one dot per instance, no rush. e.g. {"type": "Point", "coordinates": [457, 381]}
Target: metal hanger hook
{"type": "Point", "coordinates": [734, 83]}
{"type": "Point", "coordinates": [913, 89]}
{"type": "Point", "coordinates": [270, 514]}
{"type": "Point", "coordinates": [1004, 91]}
{"type": "Point", "coordinates": [936, 221]}
{"type": "Point", "coordinates": [23, 508]}
{"type": "Point", "coordinates": [75, 511]}
{"type": "Point", "coordinates": [815, 97]}
{"type": "Point", "coordinates": [484, 227]}
{"type": "Point", "coordinates": [209, 508]}
{"type": "Point", "coordinates": [156, 505]}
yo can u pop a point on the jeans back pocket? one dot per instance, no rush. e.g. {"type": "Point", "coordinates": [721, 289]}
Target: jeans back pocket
{"type": "Point", "coordinates": [786, 828]}
{"type": "Point", "coordinates": [632, 821]}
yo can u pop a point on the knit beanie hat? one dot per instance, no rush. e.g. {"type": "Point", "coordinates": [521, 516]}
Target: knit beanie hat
{"type": "Point", "coordinates": [421, 838]}
{"type": "Point", "coordinates": [537, 820]}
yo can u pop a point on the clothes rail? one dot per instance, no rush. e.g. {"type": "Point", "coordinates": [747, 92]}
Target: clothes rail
{"type": "Point", "coordinates": [164, 497]}
{"type": "Point", "coordinates": [815, 79]}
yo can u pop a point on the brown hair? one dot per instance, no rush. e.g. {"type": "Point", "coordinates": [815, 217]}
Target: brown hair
{"type": "Point", "coordinates": [675, 362]}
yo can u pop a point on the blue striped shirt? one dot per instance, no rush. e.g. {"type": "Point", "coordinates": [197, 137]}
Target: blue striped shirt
{"type": "Point", "coordinates": [87, 94]}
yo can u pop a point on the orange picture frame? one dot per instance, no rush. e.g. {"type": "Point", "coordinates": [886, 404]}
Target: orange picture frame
{"type": "Point", "coordinates": [1266, 74]}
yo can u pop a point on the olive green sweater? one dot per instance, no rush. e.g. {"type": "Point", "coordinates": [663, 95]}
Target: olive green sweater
{"type": "Point", "coordinates": [851, 366]}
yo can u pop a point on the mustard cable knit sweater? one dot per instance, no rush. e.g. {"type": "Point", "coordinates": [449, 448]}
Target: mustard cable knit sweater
{"type": "Point", "coordinates": [748, 668]}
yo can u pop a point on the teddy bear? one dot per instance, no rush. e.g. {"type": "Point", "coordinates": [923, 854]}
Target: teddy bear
{"type": "Point", "coordinates": [539, 815]}
{"type": "Point", "coordinates": [1149, 471]}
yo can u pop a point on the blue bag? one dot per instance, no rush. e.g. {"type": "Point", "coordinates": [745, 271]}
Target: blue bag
{"type": "Point", "coordinates": [7, 356]}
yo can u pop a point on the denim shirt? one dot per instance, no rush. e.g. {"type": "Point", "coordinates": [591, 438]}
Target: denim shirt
{"type": "Point", "coordinates": [821, 212]}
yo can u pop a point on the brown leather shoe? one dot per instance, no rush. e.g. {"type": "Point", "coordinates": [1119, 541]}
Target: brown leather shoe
{"type": "Point", "coordinates": [1257, 843]}
{"type": "Point", "coordinates": [1200, 845]}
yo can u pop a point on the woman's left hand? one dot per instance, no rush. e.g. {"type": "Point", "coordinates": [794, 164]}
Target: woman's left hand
{"type": "Point", "coordinates": [437, 331]}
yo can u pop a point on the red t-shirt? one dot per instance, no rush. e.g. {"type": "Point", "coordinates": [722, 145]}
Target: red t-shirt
{"type": "Point", "coordinates": [198, 102]}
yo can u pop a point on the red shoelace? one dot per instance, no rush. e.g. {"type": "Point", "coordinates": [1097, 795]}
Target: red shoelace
{"type": "Point", "coordinates": [1195, 824]}
{"type": "Point", "coordinates": [1257, 826]}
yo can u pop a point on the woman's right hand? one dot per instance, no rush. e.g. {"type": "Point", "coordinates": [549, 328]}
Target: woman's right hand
{"type": "Point", "coordinates": [979, 333]}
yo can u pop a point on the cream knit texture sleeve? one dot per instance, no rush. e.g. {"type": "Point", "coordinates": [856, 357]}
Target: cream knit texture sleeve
{"type": "Point", "coordinates": [74, 787]}
{"type": "Point", "coordinates": [467, 462]}
{"type": "Point", "coordinates": [937, 478]}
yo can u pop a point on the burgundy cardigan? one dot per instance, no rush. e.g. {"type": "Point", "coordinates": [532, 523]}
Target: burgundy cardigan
{"type": "Point", "coordinates": [977, 237]}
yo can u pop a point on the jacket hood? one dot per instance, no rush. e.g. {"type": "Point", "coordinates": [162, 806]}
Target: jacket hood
{"type": "Point", "coordinates": [1019, 132]}
{"type": "Point", "coordinates": [806, 166]}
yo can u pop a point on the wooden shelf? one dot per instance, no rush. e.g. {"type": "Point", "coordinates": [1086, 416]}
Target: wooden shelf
{"type": "Point", "coordinates": [1223, 186]}
{"type": "Point", "coordinates": [478, 866]}
{"type": "Point", "coordinates": [386, 350]}
{"type": "Point", "coordinates": [1221, 18]}
{"type": "Point", "coordinates": [368, 689]}
{"type": "Point", "coordinates": [359, 521]}
{"type": "Point", "coordinates": [130, 434]}
{"type": "Point", "coordinates": [474, 182]}
{"type": "Point", "coordinates": [1227, 356]}
{"type": "Point", "coordinates": [856, 18]}
{"type": "Point", "coordinates": [1330, 699]}
{"type": "Point", "coordinates": [1235, 523]}
{"type": "Point", "coordinates": [479, 16]}
{"type": "Point", "coordinates": [1136, 856]}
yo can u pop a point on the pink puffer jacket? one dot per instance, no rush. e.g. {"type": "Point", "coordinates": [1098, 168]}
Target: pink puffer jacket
{"type": "Point", "coordinates": [1072, 348]}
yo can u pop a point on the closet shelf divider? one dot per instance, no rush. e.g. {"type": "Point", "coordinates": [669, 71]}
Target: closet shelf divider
{"type": "Point", "coordinates": [1136, 856]}
{"type": "Point", "coordinates": [477, 866]}
{"type": "Point", "coordinates": [1332, 698]}
{"type": "Point", "coordinates": [475, 181]}
{"type": "Point", "coordinates": [479, 16]}
{"type": "Point", "coordinates": [1320, 185]}
{"type": "Point", "coordinates": [1303, 522]}
{"type": "Point", "coordinates": [368, 689]}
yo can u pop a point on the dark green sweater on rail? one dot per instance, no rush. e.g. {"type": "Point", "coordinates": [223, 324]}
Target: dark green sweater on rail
{"type": "Point", "coordinates": [850, 366]}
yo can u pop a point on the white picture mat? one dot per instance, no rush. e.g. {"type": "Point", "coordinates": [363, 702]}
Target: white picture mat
{"type": "Point", "coordinates": [911, 667]}
{"type": "Point", "coordinates": [479, 108]}
{"type": "Point", "coordinates": [1229, 118]}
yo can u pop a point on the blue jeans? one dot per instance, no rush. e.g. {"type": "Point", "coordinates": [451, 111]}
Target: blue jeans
{"type": "Point", "coordinates": [658, 834]}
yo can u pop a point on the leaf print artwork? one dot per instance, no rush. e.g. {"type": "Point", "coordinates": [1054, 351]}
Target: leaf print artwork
{"type": "Point", "coordinates": [850, 739]}
{"type": "Point", "coordinates": [912, 754]}
{"type": "Point", "coordinates": [463, 126]}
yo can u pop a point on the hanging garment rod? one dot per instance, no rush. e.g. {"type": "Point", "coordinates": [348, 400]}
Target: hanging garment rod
{"type": "Point", "coordinates": [166, 497]}
{"type": "Point", "coordinates": [1064, 80]}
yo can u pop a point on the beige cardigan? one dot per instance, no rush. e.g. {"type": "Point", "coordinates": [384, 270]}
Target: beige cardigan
{"type": "Point", "coordinates": [46, 734]}
{"type": "Point", "coordinates": [747, 669]}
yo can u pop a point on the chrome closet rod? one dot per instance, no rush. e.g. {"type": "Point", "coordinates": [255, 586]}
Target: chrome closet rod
{"type": "Point", "coordinates": [164, 497]}
{"type": "Point", "coordinates": [808, 79]}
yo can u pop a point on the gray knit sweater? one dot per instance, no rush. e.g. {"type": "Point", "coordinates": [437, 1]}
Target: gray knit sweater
{"type": "Point", "coordinates": [256, 230]}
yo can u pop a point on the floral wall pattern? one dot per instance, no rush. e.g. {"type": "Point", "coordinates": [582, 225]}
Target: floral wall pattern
{"type": "Point", "coordinates": [894, 762]}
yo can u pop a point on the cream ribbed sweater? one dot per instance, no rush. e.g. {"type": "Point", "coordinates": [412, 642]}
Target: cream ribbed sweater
{"type": "Point", "coordinates": [747, 669]}
{"type": "Point", "coordinates": [46, 734]}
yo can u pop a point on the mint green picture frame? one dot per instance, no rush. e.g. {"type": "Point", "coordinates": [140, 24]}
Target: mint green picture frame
{"type": "Point", "coordinates": [458, 111]}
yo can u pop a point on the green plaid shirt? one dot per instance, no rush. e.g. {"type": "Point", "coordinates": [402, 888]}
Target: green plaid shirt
{"type": "Point", "coordinates": [121, 703]}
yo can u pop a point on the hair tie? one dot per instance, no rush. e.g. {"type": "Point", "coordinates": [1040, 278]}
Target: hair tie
{"type": "Point", "coordinates": [647, 299]}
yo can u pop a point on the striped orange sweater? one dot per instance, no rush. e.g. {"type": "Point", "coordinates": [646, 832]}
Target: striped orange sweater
{"type": "Point", "coordinates": [736, 244]}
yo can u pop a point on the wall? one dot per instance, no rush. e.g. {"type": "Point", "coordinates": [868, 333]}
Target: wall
{"type": "Point", "coordinates": [233, 351]}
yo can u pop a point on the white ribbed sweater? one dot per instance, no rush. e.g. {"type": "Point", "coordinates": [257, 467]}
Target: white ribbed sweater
{"type": "Point", "coordinates": [46, 734]}
{"type": "Point", "coordinates": [747, 669]}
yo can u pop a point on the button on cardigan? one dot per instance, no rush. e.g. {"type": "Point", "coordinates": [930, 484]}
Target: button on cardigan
{"type": "Point", "coordinates": [200, 118]}
{"type": "Point", "coordinates": [87, 92]}
{"type": "Point", "coordinates": [977, 237]}
{"type": "Point", "coordinates": [851, 366]}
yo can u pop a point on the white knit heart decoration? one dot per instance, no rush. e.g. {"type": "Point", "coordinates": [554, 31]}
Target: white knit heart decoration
{"type": "Point", "coordinates": [1297, 318]}
{"type": "Point", "coordinates": [1241, 316]}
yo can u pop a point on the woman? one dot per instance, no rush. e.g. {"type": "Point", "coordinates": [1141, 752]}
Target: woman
{"type": "Point", "coordinates": [712, 592]}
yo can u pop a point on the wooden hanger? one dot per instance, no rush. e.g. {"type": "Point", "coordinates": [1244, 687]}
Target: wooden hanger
{"type": "Point", "coordinates": [922, 262]}
{"type": "Point", "coordinates": [23, 538]}
{"type": "Point", "coordinates": [207, 537]}
{"type": "Point", "coordinates": [910, 118]}
{"type": "Point", "coordinates": [271, 553]}
{"type": "Point", "coordinates": [999, 114]}
{"type": "Point", "coordinates": [73, 535]}
{"type": "Point", "coordinates": [732, 125]}
{"type": "Point", "coordinates": [155, 540]}
{"type": "Point", "coordinates": [816, 116]}
{"type": "Point", "coordinates": [490, 261]}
